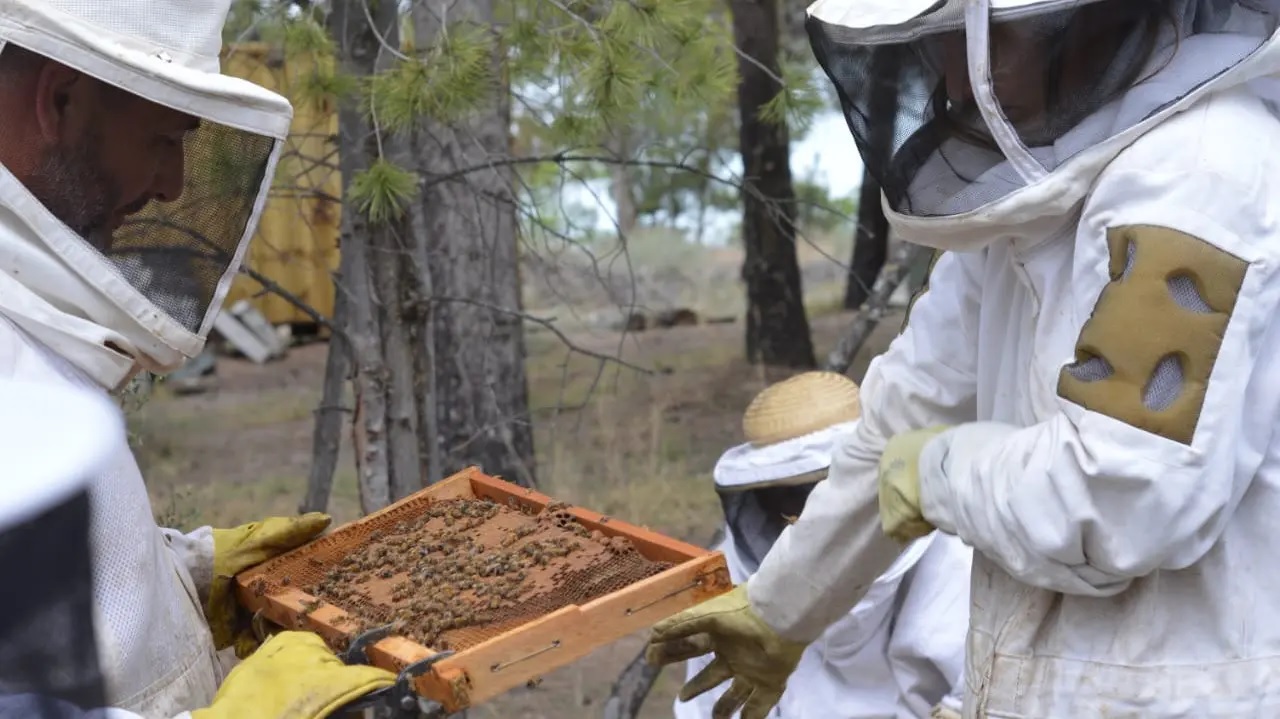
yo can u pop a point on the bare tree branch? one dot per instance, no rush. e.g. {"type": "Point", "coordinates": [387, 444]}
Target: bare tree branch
{"type": "Point", "coordinates": [873, 310]}
{"type": "Point", "coordinates": [273, 287]}
{"type": "Point", "coordinates": [546, 323]}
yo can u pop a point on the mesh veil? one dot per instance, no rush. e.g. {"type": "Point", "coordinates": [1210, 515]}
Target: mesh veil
{"type": "Point", "coordinates": [756, 517]}
{"type": "Point", "coordinates": [177, 253]}
{"type": "Point", "coordinates": [1065, 80]}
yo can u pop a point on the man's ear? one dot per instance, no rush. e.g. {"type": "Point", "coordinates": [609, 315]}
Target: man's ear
{"type": "Point", "coordinates": [60, 97]}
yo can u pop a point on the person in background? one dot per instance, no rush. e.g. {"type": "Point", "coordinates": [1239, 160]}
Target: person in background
{"type": "Point", "coordinates": [900, 652]}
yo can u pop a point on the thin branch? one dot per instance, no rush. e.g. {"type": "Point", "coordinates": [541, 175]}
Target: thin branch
{"type": "Point", "coordinates": [381, 40]}
{"type": "Point", "coordinates": [907, 258]}
{"type": "Point", "coordinates": [274, 288]}
{"type": "Point", "coordinates": [547, 323]}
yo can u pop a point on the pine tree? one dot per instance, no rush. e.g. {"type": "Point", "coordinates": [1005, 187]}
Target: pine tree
{"type": "Point", "coordinates": [777, 327]}
{"type": "Point", "coordinates": [429, 322]}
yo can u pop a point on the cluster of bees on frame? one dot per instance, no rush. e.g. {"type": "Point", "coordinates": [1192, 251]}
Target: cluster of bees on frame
{"type": "Point", "coordinates": [446, 578]}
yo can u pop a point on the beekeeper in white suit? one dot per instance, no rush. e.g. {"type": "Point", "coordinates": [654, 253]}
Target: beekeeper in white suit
{"type": "Point", "coordinates": [1085, 392]}
{"type": "Point", "coordinates": [133, 175]}
{"type": "Point", "coordinates": [900, 652]}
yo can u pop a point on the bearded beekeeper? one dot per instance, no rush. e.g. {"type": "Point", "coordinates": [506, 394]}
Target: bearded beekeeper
{"type": "Point", "coordinates": [1085, 392]}
{"type": "Point", "coordinates": [900, 651]}
{"type": "Point", "coordinates": [133, 175]}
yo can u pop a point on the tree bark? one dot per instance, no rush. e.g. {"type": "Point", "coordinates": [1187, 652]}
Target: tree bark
{"type": "Point", "coordinates": [326, 439]}
{"type": "Point", "coordinates": [621, 181]}
{"type": "Point", "coordinates": [402, 398]}
{"type": "Point", "coordinates": [795, 37]}
{"type": "Point", "coordinates": [481, 393]}
{"type": "Point", "coordinates": [360, 55]}
{"type": "Point", "coordinates": [777, 327]}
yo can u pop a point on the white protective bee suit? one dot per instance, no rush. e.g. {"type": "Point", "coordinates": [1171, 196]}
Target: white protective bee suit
{"type": "Point", "coordinates": [1099, 331]}
{"type": "Point", "coordinates": [72, 317]}
{"type": "Point", "coordinates": [899, 652]}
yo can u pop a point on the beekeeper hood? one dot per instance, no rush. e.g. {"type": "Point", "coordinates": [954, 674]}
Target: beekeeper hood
{"type": "Point", "coordinates": [791, 428]}
{"type": "Point", "coordinates": [144, 294]}
{"type": "Point", "coordinates": [1007, 110]}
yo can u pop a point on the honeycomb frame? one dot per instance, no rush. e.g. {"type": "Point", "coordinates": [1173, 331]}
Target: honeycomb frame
{"type": "Point", "coordinates": [518, 655]}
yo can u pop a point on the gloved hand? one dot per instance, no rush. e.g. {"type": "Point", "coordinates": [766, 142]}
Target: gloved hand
{"type": "Point", "coordinates": [747, 651]}
{"type": "Point", "coordinates": [235, 550]}
{"type": "Point", "coordinates": [900, 514]}
{"type": "Point", "coordinates": [292, 676]}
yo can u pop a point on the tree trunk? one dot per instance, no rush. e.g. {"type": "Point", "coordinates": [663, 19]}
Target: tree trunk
{"type": "Point", "coordinates": [777, 328]}
{"type": "Point", "coordinates": [326, 439]}
{"type": "Point", "coordinates": [795, 38]}
{"type": "Point", "coordinates": [871, 236]}
{"type": "Point", "coordinates": [360, 55]}
{"type": "Point", "coordinates": [870, 244]}
{"type": "Point", "coordinates": [402, 397]}
{"type": "Point", "coordinates": [469, 223]}
{"type": "Point", "coordinates": [621, 182]}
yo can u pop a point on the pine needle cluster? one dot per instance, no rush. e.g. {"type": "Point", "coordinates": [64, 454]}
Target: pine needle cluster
{"type": "Point", "coordinates": [577, 71]}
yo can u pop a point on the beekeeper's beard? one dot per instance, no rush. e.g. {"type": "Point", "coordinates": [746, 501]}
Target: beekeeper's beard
{"type": "Point", "coordinates": [70, 181]}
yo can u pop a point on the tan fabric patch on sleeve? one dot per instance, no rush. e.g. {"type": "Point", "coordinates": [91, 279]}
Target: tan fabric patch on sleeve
{"type": "Point", "coordinates": [1145, 355]}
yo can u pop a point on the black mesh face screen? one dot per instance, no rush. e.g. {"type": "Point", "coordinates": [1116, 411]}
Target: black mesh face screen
{"type": "Point", "coordinates": [1058, 78]}
{"type": "Point", "coordinates": [757, 516]}
{"type": "Point", "coordinates": [177, 253]}
{"type": "Point", "coordinates": [48, 655]}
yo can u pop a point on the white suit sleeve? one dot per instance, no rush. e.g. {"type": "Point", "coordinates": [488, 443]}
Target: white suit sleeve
{"type": "Point", "coordinates": [822, 565]}
{"type": "Point", "coordinates": [1162, 419]}
{"type": "Point", "coordinates": [193, 550]}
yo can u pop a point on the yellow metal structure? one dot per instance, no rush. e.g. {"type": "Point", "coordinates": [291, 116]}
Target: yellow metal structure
{"type": "Point", "coordinates": [296, 246]}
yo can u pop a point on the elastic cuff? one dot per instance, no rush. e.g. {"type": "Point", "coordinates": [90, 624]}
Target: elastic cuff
{"type": "Point", "coordinates": [946, 464]}
{"type": "Point", "coordinates": [936, 500]}
{"type": "Point", "coordinates": [194, 551]}
{"type": "Point", "coordinates": [774, 614]}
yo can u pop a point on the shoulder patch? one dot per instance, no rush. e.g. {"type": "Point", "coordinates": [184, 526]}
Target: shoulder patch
{"type": "Point", "coordinates": [1145, 355]}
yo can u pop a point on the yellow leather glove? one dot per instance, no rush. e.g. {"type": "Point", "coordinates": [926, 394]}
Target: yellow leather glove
{"type": "Point", "coordinates": [292, 676]}
{"type": "Point", "coordinates": [237, 549]}
{"type": "Point", "coordinates": [747, 651]}
{"type": "Point", "coordinates": [900, 514]}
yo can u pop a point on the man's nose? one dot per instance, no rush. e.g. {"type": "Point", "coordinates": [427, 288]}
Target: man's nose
{"type": "Point", "coordinates": [170, 177]}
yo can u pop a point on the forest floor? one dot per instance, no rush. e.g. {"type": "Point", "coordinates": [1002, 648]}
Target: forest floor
{"type": "Point", "coordinates": [638, 447]}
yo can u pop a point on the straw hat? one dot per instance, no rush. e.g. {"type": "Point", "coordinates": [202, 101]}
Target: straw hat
{"type": "Point", "coordinates": [801, 405]}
